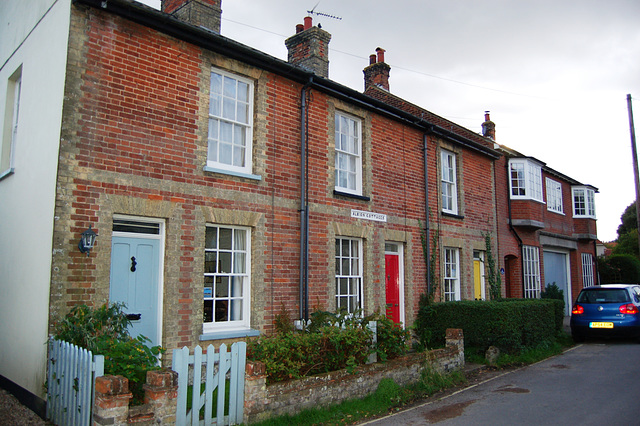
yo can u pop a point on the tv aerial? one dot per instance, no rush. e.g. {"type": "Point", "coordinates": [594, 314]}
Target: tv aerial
{"type": "Point", "coordinates": [313, 12]}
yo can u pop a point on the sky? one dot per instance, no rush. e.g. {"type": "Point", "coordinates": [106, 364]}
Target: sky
{"type": "Point", "coordinates": [554, 74]}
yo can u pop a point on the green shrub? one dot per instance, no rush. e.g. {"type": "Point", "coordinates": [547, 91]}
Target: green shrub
{"type": "Point", "coordinates": [104, 331]}
{"type": "Point", "coordinates": [553, 292]}
{"type": "Point", "coordinates": [297, 354]}
{"type": "Point", "coordinates": [619, 268]}
{"type": "Point", "coordinates": [509, 324]}
{"type": "Point", "coordinates": [330, 342]}
{"type": "Point", "coordinates": [392, 339]}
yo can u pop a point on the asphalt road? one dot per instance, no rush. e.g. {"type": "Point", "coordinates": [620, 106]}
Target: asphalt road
{"type": "Point", "coordinates": [597, 383]}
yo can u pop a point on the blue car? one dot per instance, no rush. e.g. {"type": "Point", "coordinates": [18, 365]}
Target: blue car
{"type": "Point", "coordinates": [609, 310]}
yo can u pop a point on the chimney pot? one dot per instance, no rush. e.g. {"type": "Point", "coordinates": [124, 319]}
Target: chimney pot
{"type": "Point", "coordinates": [308, 48]}
{"type": "Point", "coordinates": [488, 127]}
{"type": "Point", "coordinates": [376, 74]}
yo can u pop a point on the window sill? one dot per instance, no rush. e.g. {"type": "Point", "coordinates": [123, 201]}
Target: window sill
{"type": "Point", "coordinates": [452, 215]}
{"type": "Point", "coordinates": [231, 173]}
{"type": "Point", "coordinates": [229, 334]}
{"type": "Point", "coordinates": [348, 195]}
{"type": "Point", "coordinates": [525, 198]}
{"type": "Point", "coordinates": [6, 173]}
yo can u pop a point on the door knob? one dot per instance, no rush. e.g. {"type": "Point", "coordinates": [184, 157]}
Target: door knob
{"type": "Point", "coordinates": [133, 263]}
{"type": "Point", "coordinates": [134, 317]}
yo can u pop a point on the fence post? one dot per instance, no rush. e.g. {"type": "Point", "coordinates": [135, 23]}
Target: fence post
{"type": "Point", "coordinates": [180, 364]}
{"type": "Point", "coordinates": [161, 393]}
{"type": "Point", "coordinates": [112, 401]}
{"type": "Point", "coordinates": [373, 356]}
{"type": "Point", "coordinates": [255, 390]}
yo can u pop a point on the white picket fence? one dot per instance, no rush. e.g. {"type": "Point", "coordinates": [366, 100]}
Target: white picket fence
{"type": "Point", "coordinates": [71, 382]}
{"type": "Point", "coordinates": [221, 369]}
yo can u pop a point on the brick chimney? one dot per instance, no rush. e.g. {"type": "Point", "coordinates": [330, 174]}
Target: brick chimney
{"type": "Point", "coordinates": [309, 48]}
{"type": "Point", "coordinates": [201, 13]}
{"type": "Point", "coordinates": [377, 73]}
{"type": "Point", "coordinates": [488, 127]}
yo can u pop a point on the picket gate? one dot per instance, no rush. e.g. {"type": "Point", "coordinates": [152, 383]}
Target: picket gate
{"type": "Point", "coordinates": [71, 383]}
{"type": "Point", "coordinates": [221, 369]}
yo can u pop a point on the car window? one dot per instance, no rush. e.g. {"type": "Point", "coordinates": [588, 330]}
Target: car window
{"type": "Point", "coordinates": [610, 295]}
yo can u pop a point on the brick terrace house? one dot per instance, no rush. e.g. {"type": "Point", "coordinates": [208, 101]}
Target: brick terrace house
{"type": "Point", "coordinates": [546, 226]}
{"type": "Point", "coordinates": [225, 186]}
{"type": "Point", "coordinates": [461, 190]}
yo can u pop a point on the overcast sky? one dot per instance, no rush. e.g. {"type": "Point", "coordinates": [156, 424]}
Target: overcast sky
{"type": "Point", "coordinates": [554, 73]}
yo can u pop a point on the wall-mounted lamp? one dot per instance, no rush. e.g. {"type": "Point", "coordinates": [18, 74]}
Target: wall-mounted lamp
{"type": "Point", "coordinates": [87, 241]}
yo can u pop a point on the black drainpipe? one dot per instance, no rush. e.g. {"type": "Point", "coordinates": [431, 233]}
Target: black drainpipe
{"type": "Point", "coordinates": [304, 207]}
{"type": "Point", "coordinates": [512, 229]}
{"type": "Point", "coordinates": [426, 205]}
{"type": "Point", "coordinates": [595, 261]}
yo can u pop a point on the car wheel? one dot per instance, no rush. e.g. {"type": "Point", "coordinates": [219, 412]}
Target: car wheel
{"type": "Point", "coordinates": [578, 338]}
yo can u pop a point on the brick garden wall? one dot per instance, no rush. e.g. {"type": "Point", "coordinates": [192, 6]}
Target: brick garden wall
{"type": "Point", "coordinates": [265, 401]}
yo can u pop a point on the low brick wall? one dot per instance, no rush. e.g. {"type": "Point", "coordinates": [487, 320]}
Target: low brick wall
{"type": "Point", "coordinates": [263, 402]}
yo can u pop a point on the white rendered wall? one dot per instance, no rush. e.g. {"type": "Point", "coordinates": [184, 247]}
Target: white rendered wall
{"type": "Point", "coordinates": [33, 35]}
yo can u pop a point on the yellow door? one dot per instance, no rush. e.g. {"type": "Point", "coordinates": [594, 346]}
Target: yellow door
{"type": "Point", "coordinates": [477, 280]}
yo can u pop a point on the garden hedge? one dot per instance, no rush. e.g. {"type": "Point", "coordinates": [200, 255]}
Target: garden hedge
{"type": "Point", "coordinates": [509, 324]}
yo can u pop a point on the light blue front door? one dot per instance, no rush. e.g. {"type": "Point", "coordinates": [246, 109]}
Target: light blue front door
{"type": "Point", "coordinates": [134, 281]}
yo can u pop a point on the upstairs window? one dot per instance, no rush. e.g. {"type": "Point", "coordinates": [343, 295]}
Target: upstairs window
{"type": "Point", "coordinates": [584, 205]}
{"type": "Point", "coordinates": [525, 179]}
{"type": "Point", "coordinates": [554, 196]}
{"type": "Point", "coordinates": [10, 125]}
{"type": "Point", "coordinates": [230, 123]}
{"type": "Point", "coordinates": [348, 154]}
{"type": "Point", "coordinates": [449, 185]}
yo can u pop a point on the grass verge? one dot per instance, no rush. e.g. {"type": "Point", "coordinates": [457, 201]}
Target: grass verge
{"type": "Point", "coordinates": [386, 398]}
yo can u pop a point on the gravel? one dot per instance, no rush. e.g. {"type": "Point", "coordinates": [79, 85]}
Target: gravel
{"type": "Point", "coordinates": [15, 414]}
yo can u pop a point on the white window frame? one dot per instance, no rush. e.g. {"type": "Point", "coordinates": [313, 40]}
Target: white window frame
{"type": "Point", "coordinates": [526, 184]}
{"type": "Point", "coordinates": [10, 125]}
{"type": "Point", "coordinates": [554, 196]}
{"type": "Point", "coordinates": [243, 273]}
{"type": "Point", "coordinates": [449, 187]}
{"type": "Point", "coordinates": [239, 126]}
{"type": "Point", "coordinates": [584, 205]}
{"type": "Point", "coordinates": [348, 154]}
{"type": "Point", "coordinates": [349, 279]}
{"type": "Point", "coordinates": [531, 271]}
{"type": "Point", "coordinates": [587, 270]}
{"type": "Point", "coordinates": [451, 275]}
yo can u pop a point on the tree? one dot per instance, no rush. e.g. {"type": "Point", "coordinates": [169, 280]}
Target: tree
{"type": "Point", "coordinates": [627, 242]}
{"type": "Point", "coordinates": [629, 220]}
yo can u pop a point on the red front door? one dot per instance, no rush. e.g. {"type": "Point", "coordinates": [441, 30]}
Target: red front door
{"type": "Point", "coordinates": [392, 285]}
